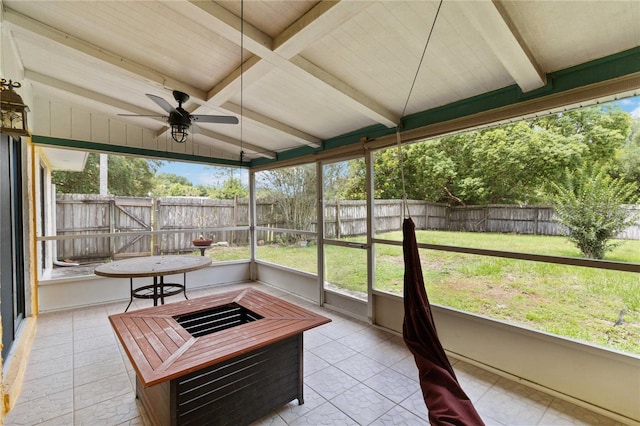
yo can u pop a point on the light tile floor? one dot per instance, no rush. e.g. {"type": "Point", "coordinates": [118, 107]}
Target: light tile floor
{"type": "Point", "coordinates": [355, 374]}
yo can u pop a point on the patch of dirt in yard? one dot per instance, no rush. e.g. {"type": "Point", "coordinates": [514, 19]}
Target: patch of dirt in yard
{"type": "Point", "coordinates": [502, 294]}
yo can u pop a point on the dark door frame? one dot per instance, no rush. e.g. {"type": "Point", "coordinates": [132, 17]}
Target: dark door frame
{"type": "Point", "coordinates": [12, 255]}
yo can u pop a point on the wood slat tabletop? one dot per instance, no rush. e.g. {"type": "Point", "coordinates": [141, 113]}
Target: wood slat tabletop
{"type": "Point", "coordinates": [160, 349]}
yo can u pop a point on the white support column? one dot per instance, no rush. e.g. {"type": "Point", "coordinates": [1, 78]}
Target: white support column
{"type": "Point", "coordinates": [320, 231]}
{"type": "Point", "coordinates": [371, 253]}
{"type": "Point", "coordinates": [252, 226]}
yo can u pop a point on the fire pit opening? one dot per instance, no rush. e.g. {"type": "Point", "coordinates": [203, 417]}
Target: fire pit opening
{"type": "Point", "coordinates": [216, 319]}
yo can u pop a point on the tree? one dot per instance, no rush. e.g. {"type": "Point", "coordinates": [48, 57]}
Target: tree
{"type": "Point", "coordinates": [602, 129]}
{"type": "Point", "coordinates": [230, 189]}
{"type": "Point", "coordinates": [131, 176]}
{"type": "Point", "coordinates": [84, 182]}
{"type": "Point", "coordinates": [293, 192]}
{"type": "Point", "coordinates": [590, 204]}
{"type": "Point", "coordinates": [172, 185]}
{"type": "Point", "coordinates": [128, 176]}
{"type": "Point", "coordinates": [627, 166]}
{"type": "Point", "coordinates": [506, 164]}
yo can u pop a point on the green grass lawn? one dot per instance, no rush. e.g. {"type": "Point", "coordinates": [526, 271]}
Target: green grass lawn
{"type": "Point", "coordinates": [577, 302]}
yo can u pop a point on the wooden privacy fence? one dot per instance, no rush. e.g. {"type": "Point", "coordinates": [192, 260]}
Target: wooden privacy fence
{"type": "Point", "coordinates": [78, 214]}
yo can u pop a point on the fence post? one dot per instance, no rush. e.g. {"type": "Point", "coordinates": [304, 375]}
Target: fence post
{"type": "Point", "coordinates": [112, 226]}
{"type": "Point", "coordinates": [486, 219]}
{"type": "Point", "coordinates": [235, 219]}
{"type": "Point", "coordinates": [154, 227]}
{"type": "Point", "coordinates": [338, 233]}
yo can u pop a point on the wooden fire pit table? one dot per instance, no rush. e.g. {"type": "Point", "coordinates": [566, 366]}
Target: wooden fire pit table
{"type": "Point", "coordinates": [226, 359]}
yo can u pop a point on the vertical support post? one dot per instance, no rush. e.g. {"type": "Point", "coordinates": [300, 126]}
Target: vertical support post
{"type": "Point", "coordinates": [253, 242]}
{"type": "Point", "coordinates": [320, 214]}
{"type": "Point", "coordinates": [369, 186]}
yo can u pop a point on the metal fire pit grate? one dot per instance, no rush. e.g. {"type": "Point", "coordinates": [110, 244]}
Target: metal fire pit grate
{"type": "Point", "coordinates": [216, 319]}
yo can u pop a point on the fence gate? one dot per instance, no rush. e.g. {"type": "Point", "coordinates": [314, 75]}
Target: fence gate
{"type": "Point", "coordinates": [131, 215]}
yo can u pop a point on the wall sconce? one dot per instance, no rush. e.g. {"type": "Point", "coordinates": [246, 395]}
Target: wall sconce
{"type": "Point", "coordinates": [13, 112]}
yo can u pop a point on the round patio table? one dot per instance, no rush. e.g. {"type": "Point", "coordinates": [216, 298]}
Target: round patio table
{"type": "Point", "coordinates": [157, 267]}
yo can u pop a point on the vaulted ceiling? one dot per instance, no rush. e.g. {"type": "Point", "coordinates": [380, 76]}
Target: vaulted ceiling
{"type": "Point", "coordinates": [306, 77]}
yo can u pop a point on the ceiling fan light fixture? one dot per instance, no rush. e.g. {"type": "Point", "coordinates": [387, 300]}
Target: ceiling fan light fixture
{"type": "Point", "coordinates": [179, 132]}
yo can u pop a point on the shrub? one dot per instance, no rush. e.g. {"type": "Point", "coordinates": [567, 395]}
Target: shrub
{"type": "Point", "coordinates": [591, 205]}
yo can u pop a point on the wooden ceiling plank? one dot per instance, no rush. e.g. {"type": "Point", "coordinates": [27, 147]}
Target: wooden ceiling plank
{"type": "Point", "coordinates": [29, 24]}
{"type": "Point", "coordinates": [89, 94]}
{"type": "Point", "coordinates": [488, 18]}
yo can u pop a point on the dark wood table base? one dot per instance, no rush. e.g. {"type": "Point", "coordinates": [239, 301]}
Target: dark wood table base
{"type": "Point", "coordinates": [235, 392]}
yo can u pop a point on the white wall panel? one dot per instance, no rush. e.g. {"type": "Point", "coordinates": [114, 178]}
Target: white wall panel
{"type": "Point", "coordinates": [60, 115]}
{"type": "Point", "coordinates": [117, 132]}
{"type": "Point", "coordinates": [90, 290]}
{"type": "Point", "coordinates": [80, 124]}
{"type": "Point", "coordinates": [299, 283]}
{"type": "Point", "coordinates": [134, 136]}
{"type": "Point", "coordinates": [149, 141]}
{"type": "Point", "coordinates": [41, 117]}
{"type": "Point", "coordinates": [99, 128]}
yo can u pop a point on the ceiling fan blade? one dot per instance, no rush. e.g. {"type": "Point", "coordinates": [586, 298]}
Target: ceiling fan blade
{"type": "Point", "coordinates": [142, 115]}
{"type": "Point", "coordinates": [161, 103]}
{"type": "Point", "coordinates": [224, 119]}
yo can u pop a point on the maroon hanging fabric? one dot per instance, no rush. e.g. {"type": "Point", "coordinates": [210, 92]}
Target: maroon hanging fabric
{"type": "Point", "coordinates": [446, 401]}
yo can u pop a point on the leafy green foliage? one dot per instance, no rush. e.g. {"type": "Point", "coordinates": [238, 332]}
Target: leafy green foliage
{"type": "Point", "coordinates": [627, 166]}
{"type": "Point", "coordinates": [293, 192]}
{"type": "Point", "coordinates": [84, 182]}
{"type": "Point", "coordinates": [590, 204]}
{"type": "Point", "coordinates": [172, 185]}
{"type": "Point", "coordinates": [230, 189]}
{"type": "Point", "coordinates": [508, 164]}
{"type": "Point", "coordinates": [128, 176]}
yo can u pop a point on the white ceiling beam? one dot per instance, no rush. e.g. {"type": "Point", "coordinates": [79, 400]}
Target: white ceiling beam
{"type": "Point", "coordinates": [323, 18]}
{"type": "Point", "coordinates": [488, 18]}
{"type": "Point", "coordinates": [250, 148]}
{"type": "Point", "coordinates": [29, 24]}
{"type": "Point", "coordinates": [228, 26]}
{"type": "Point", "coordinates": [254, 69]}
{"type": "Point", "coordinates": [270, 123]}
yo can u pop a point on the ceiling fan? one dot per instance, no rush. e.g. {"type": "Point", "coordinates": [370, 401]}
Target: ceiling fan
{"type": "Point", "coordinates": [179, 119]}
